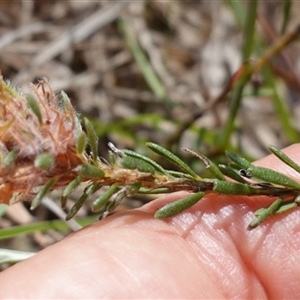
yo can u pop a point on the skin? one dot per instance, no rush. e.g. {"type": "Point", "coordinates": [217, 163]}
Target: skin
{"type": "Point", "coordinates": [205, 252]}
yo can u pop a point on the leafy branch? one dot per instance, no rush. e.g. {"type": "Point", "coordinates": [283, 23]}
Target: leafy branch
{"type": "Point", "coordinates": [43, 147]}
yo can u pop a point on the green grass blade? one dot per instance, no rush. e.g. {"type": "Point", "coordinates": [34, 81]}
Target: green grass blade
{"type": "Point", "coordinates": [286, 11]}
{"type": "Point", "coordinates": [238, 90]}
{"type": "Point", "coordinates": [13, 256]}
{"type": "Point", "coordinates": [60, 225]}
{"type": "Point", "coordinates": [149, 74]}
{"type": "Point", "coordinates": [284, 115]}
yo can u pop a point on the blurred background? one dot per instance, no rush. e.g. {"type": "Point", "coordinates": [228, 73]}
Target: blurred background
{"type": "Point", "coordinates": [178, 73]}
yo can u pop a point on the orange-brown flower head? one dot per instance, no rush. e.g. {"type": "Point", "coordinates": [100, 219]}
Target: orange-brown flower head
{"type": "Point", "coordinates": [37, 140]}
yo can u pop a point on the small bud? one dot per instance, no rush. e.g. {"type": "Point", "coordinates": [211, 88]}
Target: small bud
{"type": "Point", "coordinates": [10, 158]}
{"type": "Point", "coordinates": [81, 143]}
{"type": "Point", "coordinates": [33, 104]}
{"type": "Point", "coordinates": [44, 161]}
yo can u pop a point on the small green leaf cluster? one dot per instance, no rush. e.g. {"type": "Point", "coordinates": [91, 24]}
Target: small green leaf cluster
{"type": "Point", "coordinates": [248, 179]}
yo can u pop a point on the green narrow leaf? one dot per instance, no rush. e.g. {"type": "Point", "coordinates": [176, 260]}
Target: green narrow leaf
{"type": "Point", "coordinates": [64, 102]}
{"type": "Point", "coordinates": [115, 200]}
{"type": "Point", "coordinates": [172, 158]}
{"type": "Point", "coordinates": [240, 161]}
{"type": "Point", "coordinates": [101, 201]}
{"type": "Point", "coordinates": [147, 160]}
{"type": "Point", "coordinates": [284, 158]}
{"type": "Point", "coordinates": [92, 138]}
{"type": "Point", "coordinates": [33, 104]}
{"type": "Point", "coordinates": [41, 194]}
{"type": "Point", "coordinates": [178, 206]}
{"type": "Point", "coordinates": [179, 174]}
{"type": "Point", "coordinates": [81, 143]}
{"type": "Point", "coordinates": [231, 174]}
{"type": "Point", "coordinates": [284, 207]}
{"type": "Point", "coordinates": [209, 165]}
{"type": "Point", "coordinates": [233, 188]}
{"type": "Point", "coordinates": [78, 204]}
{"type": "Point", "coordinates": [69, 189]}
{"type": "Point", "coordinates": [133, 188]}
{"type": "Point", "coordinates": [272, 176]}
{"type": "Point", "coordinates": [132, 163]}
{"type": "Point", "coordinates": [90, 171]}
{"type": "Point", "coordinates": [271, 210]}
